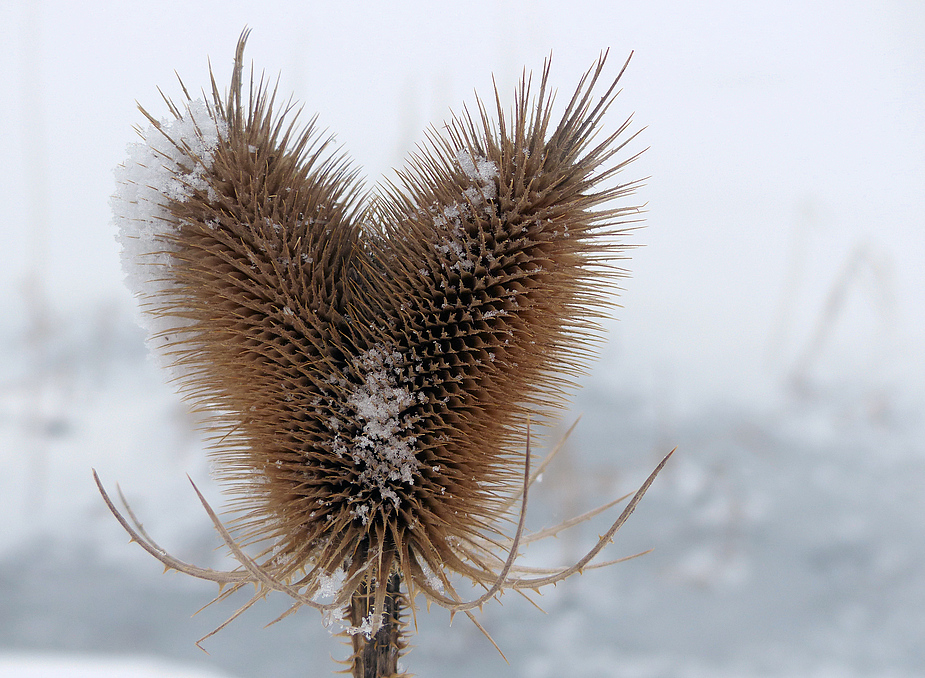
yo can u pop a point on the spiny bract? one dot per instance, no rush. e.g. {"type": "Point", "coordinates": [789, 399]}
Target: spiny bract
{"type": "Point", "coordinates": [368, 364]}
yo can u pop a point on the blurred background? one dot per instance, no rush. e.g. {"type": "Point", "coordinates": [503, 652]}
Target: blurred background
{"type": "Point", "coordinates": [773, 329]}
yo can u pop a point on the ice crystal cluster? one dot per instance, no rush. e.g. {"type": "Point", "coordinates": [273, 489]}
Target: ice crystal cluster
{"type": "Point", "coordinates": [369, 365]}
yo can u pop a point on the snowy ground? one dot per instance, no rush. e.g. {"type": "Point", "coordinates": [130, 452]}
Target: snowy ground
{"type": "Point", "coordinates": [78, 666]}
{"type": "Point", "coordinates": [788, 539]}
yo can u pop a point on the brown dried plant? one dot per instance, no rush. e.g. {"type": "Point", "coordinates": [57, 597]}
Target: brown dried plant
{"type": "Point", "coordinates": [368, 366]}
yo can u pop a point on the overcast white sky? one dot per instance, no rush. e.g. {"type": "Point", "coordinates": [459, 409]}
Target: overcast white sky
{"type": "Point", "coordinates": [787, 151]}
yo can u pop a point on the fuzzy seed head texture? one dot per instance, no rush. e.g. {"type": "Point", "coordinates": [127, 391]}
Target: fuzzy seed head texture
{"type": "Point", "coordinates": [368, 365]}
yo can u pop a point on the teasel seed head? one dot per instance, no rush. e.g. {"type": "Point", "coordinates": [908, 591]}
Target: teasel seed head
{"type": "Point", "coordinates": [368, 365]}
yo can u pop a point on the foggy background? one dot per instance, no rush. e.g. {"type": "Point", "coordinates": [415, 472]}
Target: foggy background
{"type": "Point", "coordinates": [772, 329]}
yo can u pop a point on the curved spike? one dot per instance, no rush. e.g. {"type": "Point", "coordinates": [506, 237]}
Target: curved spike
{"type": "Point", "coordinates": [604, 540]}
{"type": "Point", "coordinates": [138, 535]}
{"type": "Point", "coordinates": [260, 574]}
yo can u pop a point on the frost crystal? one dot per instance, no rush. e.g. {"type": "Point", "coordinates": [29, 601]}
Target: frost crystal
{"type": "Point", "coordinates": [433, 581]}
{"type": "Point", "coordinates": [330, 585]}
{"type": "Point", "coordinates": [366, 628]}
{"type": "Point", "coordinates": [361, 512]}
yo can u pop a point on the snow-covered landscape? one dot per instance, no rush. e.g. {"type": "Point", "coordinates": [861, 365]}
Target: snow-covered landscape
{"type": "Point", "coordinates": [772, 331]}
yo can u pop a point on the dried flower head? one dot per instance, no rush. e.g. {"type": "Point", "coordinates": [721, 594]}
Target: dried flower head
{"type": "Point", "coordinates": [369, 366]}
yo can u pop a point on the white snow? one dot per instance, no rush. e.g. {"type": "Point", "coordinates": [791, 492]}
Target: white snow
{"type": "Point", "coordinates": [480, 169]}
{"type": "Point", "coordinates": [157, 170]}
{"type": "Point", "coordinates": [384, 447]}
{"type": "Point", "coordinates": [81, 666]}
{"type": "Point", "coordinates": [455, 242]}
{"type": "Point", "coordinates": [330, 584]}
{"type": "Point", "coordinates": [430, 576]}
{"type": "Point", "coordinates": [366, 627]}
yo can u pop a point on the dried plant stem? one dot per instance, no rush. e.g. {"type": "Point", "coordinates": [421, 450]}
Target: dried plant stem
{"type": "Point", "coordinates": [376, 655]}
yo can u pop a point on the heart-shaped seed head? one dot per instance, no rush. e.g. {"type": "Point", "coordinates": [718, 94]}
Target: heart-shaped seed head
{"type": "Point", "coordinates": [367, 365]}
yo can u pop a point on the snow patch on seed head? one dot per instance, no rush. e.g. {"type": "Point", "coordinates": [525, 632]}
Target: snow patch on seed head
{"type": "Point", "coordinates": [171, 163]}
{"type": "Point", "coordinates": [382, 447]}
{"type": "Point", "coordinates": [455, 244]}
{"type": "Point", "coordinates": [481, 170]}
